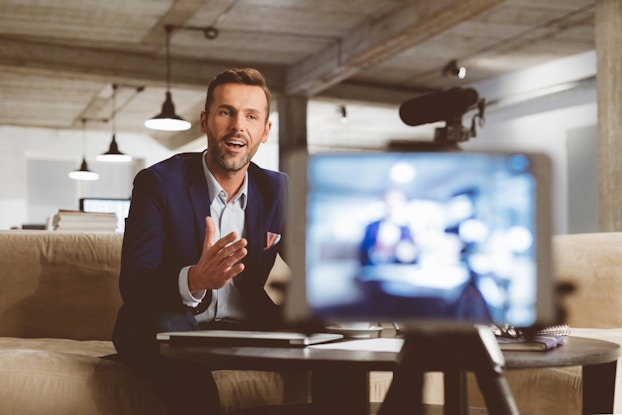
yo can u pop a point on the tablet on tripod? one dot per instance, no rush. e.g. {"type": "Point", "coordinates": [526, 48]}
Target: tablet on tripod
{"type": "Point", "coordinates": [418, 237]}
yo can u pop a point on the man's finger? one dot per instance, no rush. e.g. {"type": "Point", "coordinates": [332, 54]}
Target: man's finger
{"type": "Point", "coordinates": [210, 233]}
{"type": "Point", "coordinates": [230, 240]}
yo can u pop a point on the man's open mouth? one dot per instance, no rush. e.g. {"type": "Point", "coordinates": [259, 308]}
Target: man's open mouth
{"type": "Point", "coordinates": [235, 143]}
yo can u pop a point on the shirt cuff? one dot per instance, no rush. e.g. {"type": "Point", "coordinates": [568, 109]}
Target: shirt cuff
{"type": "Point", "coordinates": [189, 299]}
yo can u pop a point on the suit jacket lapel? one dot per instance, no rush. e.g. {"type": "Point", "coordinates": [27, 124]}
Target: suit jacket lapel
{"type": "Point", "coordinates": [254, 218]}
{"type": "Point", "coordinates": [254, 235]}
{"type": "Point", "coordinates": [198, 195]}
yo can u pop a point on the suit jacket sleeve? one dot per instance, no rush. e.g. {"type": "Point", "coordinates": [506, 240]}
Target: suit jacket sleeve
{"type": "Point", "coordinates": [163, 231]}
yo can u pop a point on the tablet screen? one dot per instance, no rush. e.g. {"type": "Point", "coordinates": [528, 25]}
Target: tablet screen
{"type": "Point", "coordinates": [413, 237]}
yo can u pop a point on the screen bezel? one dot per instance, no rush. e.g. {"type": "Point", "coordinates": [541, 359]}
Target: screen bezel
{"type": "Point", "coordinates": [296, 306]}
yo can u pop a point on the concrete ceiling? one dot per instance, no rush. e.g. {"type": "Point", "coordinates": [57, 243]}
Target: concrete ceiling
{"type": "Point", "coordinates": [59, 58]}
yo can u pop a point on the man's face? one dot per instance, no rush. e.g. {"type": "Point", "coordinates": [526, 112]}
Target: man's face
{"type": "Point", "coordinates": [235, 126]}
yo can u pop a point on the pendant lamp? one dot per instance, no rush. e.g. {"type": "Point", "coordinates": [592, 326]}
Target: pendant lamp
{"type": "Point", "coordinates": [167, 119]}
{"type": "Point", "coordinates": [83, 173]}
{"type": "Point", "coordinates": [113, 153]}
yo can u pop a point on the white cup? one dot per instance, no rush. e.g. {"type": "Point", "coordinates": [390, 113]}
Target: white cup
{"type": "Point", "coordinates": [354, 325]}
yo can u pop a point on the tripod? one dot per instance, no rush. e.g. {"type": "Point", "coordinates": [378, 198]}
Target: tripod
{"type": "Point", "coordinates": [453, 351]}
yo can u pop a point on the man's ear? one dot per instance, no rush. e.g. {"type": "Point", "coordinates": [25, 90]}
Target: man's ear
{"type": "Point", "coordinates": [203, 122]}
{"type": "Point", "coordinates": [266, 132]}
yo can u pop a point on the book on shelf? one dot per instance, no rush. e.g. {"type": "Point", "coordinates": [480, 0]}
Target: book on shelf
{"type": "Point", "coordinates": [78, 220]}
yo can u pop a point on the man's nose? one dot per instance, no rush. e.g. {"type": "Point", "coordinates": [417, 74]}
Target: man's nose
{"type": "Point", "coordinates": [237, 123]}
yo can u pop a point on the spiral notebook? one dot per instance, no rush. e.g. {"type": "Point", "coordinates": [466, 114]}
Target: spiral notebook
{"type": "Point", "coordinates": [544, 339]}
{"type": "Point", "coordinates": [535, 343]}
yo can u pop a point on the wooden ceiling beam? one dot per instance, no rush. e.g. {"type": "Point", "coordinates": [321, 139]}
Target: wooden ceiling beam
{"type": "Point", "coordinates": [378, 40]}
{"type": "Point", "coordinates": [108, 66]}
{"type": "Point", "coordinates": [115, 65]}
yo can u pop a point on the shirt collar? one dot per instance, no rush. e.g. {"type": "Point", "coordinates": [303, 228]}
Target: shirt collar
{"type": "Point", "coordinates": [214, 188]}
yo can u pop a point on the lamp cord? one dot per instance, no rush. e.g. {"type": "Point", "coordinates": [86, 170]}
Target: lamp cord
{"type": "Point", "coordinates": [84, 138]}
{"type": "Point", "coordinates": [169, 29]}
{"type": "Point", "coordinates": [114, 109]}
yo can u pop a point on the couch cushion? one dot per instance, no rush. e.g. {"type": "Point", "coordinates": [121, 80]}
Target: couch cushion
{"type": "Point", "coordinates": [93, 348]}
{"type": "Point", "coordinates": [593, 263]}
{"type": "Point", "coordinates": [37, 381]}
{"type": "Point", "coordinates": [240, 389]}
{"type": "Point", "coordinates": [71, 370]}
{"type": "Point", "coordinates": [57, 284]}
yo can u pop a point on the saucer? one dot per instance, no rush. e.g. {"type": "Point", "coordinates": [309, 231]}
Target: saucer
{"type": "Point", "coordinates": [354, 333]}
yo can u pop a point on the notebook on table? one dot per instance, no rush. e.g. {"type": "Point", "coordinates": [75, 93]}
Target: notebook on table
{"type": "Point", "coordinates": [247, 338]}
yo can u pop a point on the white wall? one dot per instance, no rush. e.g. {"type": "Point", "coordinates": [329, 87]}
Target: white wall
{"type": "Point", "coordinates": [13, 190]}
{"type": "Point", "coordinates": [548, 133]}
{"type": "Point", "coordinates": [538, 109]}
{"type": "Point", "coordinates": [583, 199]}
{"type": "Point", "coordinates": [34, 164]}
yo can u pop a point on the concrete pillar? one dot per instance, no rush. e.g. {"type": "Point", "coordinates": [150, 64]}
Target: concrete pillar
{"type": "Point", "coordinates": [608, 39]}
{"type": "Point", "coordinates": [292, 125]}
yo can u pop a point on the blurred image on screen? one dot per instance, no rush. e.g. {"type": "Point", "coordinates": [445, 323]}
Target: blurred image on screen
{"type": "Point", "coordinates": [406, 235]}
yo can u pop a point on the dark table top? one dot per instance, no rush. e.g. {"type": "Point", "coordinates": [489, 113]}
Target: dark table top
{"type": "Point", "coordinates": [576, 351]}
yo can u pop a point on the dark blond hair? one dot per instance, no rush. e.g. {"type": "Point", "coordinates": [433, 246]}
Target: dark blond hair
{"type": "Point", "coordinates": [246, 76]}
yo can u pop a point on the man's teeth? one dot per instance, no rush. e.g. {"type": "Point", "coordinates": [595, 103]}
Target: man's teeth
{"type": "Point", "coordinates": [235, 143]}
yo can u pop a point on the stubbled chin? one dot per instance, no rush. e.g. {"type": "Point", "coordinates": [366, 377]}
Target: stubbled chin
{"type": "Point", "coordinates": [233, 162]}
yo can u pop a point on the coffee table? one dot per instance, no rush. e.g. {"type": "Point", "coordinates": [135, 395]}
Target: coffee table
{"type": "Point", "coordinates": [340, 378]}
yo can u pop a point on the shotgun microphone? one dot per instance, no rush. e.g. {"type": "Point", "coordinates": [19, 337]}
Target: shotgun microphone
{"type": "Point", "coordinates": [446, 105]}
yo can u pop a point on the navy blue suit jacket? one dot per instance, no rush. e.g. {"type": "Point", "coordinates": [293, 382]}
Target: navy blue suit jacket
{"type": "Point", "coordinates": [165, 230]}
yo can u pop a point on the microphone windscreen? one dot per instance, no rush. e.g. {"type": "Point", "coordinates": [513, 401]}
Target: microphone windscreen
{"type": "Point", "coordinates": [438, 106]}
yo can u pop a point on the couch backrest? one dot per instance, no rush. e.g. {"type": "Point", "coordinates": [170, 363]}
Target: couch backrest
{"type": "Point", "coordinates": [59, 284]}
{"type": "Point", "coordinates": [593, 263]}
{"type": "Point", "coordinates": [65, 285]}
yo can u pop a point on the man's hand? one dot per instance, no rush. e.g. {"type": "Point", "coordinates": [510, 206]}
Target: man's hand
{"type": "Point", "coordinates": [219, 260]}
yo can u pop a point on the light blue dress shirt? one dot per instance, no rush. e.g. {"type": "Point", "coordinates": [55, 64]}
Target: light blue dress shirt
{"type": "Point", "coordinates": [228, 217]}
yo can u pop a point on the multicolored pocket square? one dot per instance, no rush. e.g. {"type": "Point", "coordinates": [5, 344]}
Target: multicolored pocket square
{"type": "Point", "coordinates": [271, 240]}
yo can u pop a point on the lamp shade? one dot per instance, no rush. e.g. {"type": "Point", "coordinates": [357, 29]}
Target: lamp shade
{"type": "Point", "coordinates": [113, 153]}
{"type": "Point", "coordinates": [168, 120]}
{"type": "Point", "coordinates": [83, 173]}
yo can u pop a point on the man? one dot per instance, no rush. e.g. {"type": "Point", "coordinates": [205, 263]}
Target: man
{"type": "Point", "coordinates": [201, 237]}
{"type": "Point", "coordinates": [389, 240]}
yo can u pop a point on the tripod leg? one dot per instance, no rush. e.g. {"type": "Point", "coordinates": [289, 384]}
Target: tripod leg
{"type": "Point", "coordinates": [405, 395]}
{"type": "Point", "coordinates": [489, 372]}
{"type": "Point", "coordinates": [456, 397]}
{"type": "Point", "coordinates": [497, 394]}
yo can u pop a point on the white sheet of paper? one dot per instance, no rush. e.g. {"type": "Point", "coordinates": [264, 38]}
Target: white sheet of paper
{"type": "Point", "coordinates": [370, 345]}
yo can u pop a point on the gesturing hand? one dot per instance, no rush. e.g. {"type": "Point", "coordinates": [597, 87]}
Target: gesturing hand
{"type": "Point", "coordinates": [219, 260]}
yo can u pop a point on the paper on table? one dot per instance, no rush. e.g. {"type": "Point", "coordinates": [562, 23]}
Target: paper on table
{"type": "Point", "coordinates": [370, 345]}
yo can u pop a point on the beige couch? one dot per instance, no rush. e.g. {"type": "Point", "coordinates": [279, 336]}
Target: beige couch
{"type": "Point", "coordinates": [59, 301]}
